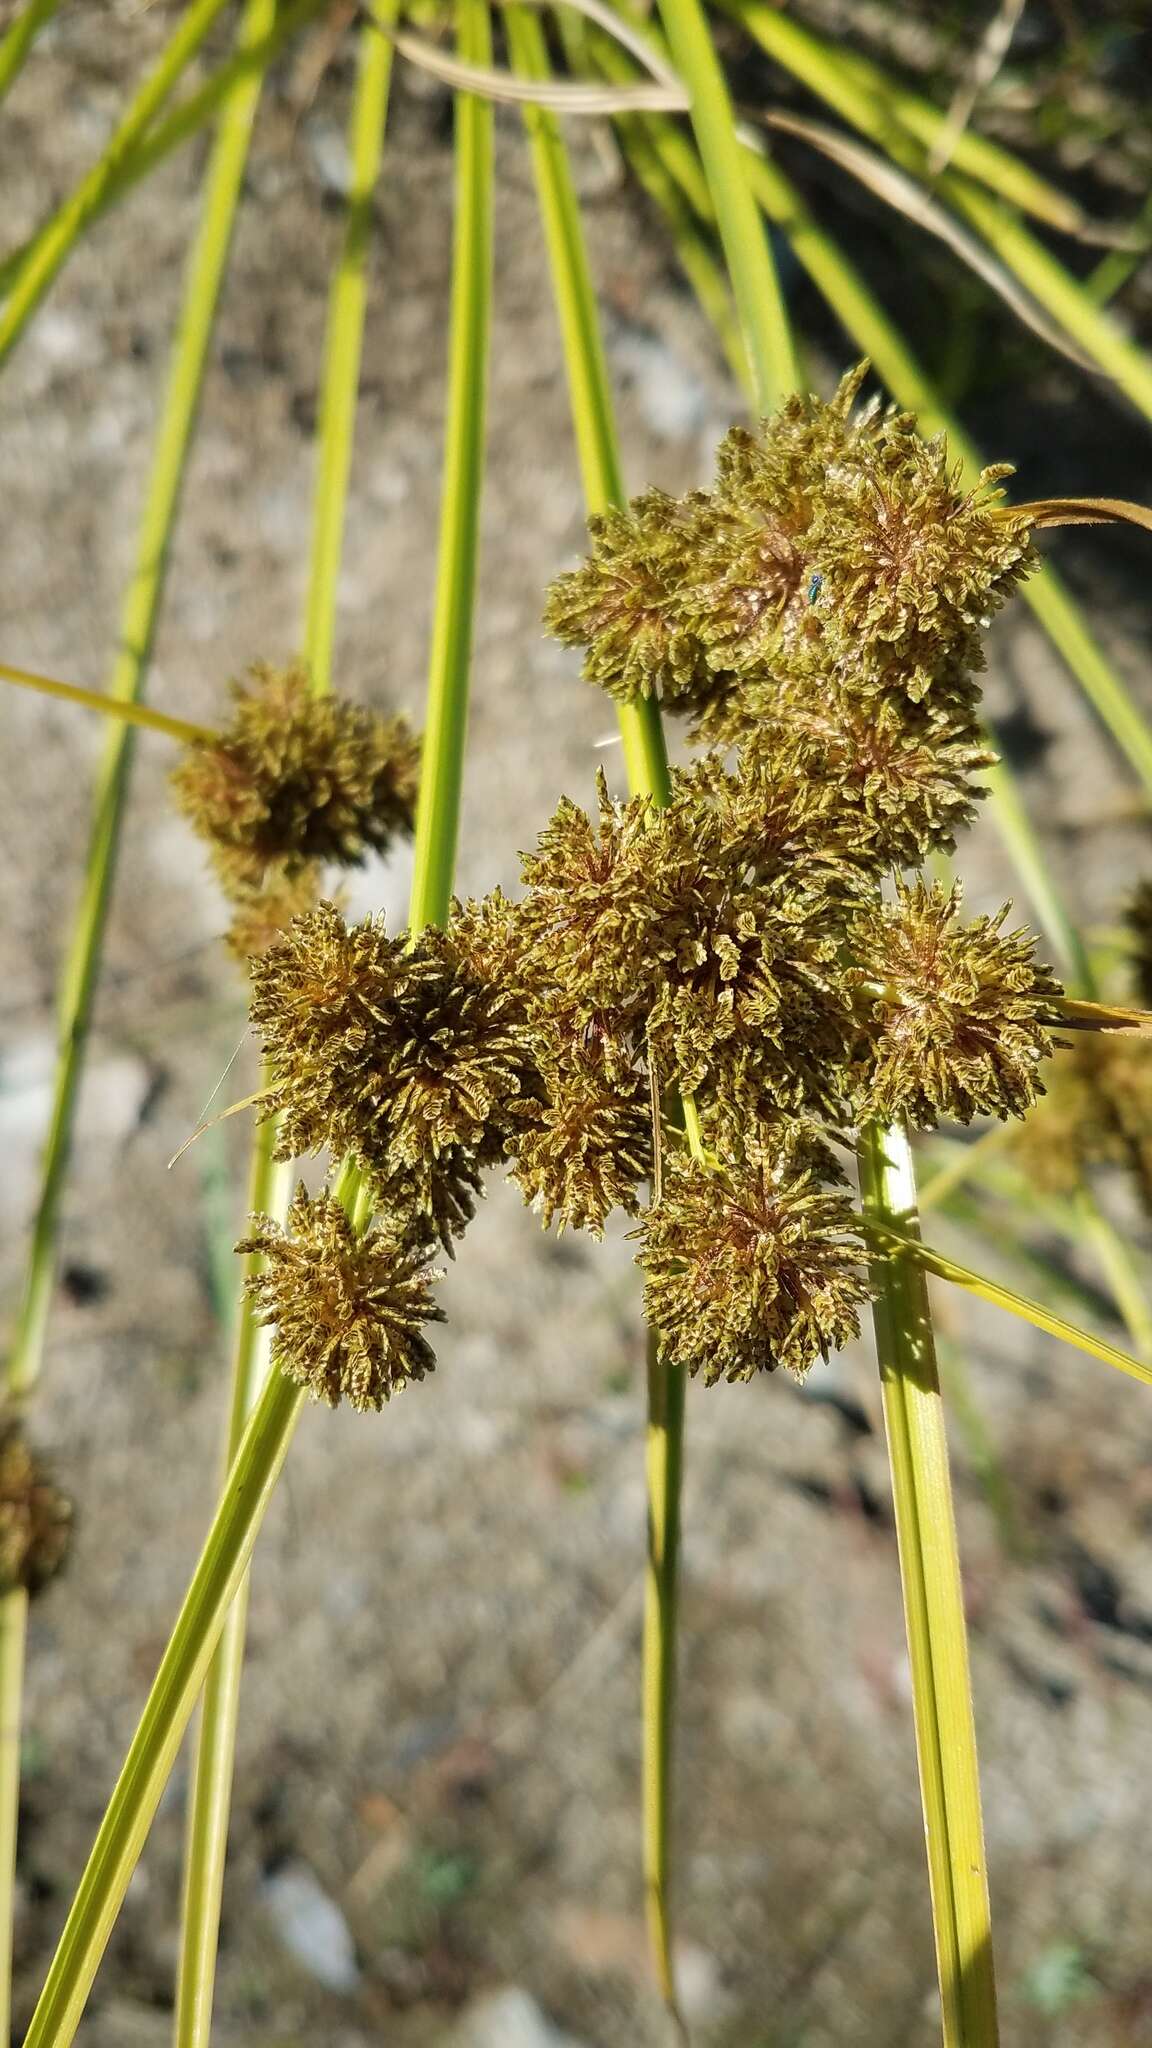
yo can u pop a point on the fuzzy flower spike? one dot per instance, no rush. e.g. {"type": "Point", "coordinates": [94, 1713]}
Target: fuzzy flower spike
{"type": "Point", "coordinates": [348, 1310]}
{"type": "Point", "coordinates": [296, 779]}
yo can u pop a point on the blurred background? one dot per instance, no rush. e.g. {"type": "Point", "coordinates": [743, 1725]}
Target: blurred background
{"type": "Point", "coordinates": [436, 1828]}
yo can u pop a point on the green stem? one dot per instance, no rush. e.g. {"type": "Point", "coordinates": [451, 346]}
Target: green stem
{"type": "Point", "coordinates": [163, 137]}
{"type": "Point", "coordinates": [125, 1825]}
{"type": "Point", "coordinates": [51, 247]}
{"type": "Point", "coordinates": [177, 729]}
{"type": "Point", "coordinates": [438, 810]}
{"type": "Point", "coordinates": [271, 1184]}
{"type": "Point", "coordinates": [210, 1797]}
{"type": "Point", "coordinates": [13, 50]}
{"type": "Point", "coordinates": [340, 381]}
{"type": "Point", "coordinates": [933, 1604]}
{"type": "Point", "coordinates": [646, 762]}
{"type": "Point", "coordinates": [1124, 1277]}
{"type": "Point", "coordinates": [762, 313]}
{"type": "Point", "coordinates": [899, 1231]}
{"type": "Point", "coordinates": [13, 1635]}
{"type": "Point", "coordinates": [903, 1323]}
{"type": "Point", "coordinates": [205, 272]}
{"type": "Point", "coordinates": [265, 1441]}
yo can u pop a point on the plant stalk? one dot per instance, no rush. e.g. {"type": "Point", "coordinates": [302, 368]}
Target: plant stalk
{"type": "Point", "coordinates": [205, 273]}
{"type": "Point", "coordinates": [264, 1444]}
{"type": "Point", "coordinates": [343, 342]}
{"type": "Point", "coordinates": [646, 763]}
{"type": "Point", "coordinates": [759, 304]}
{"type": "Point", "coordinates": [933, 1603]}
{"type": "Point", "coordinates": [129, 712]}
{"type": "Point", "coordinates": [210, 1794]}
{"type": "Point", "coordinates": [271, 1186]}
{"type": "Point", "coordinates": [922, 1477]}
{"type": "Point", "coordinates": [50, 248]}
{"type": "Point", "coordinates": [438, 809]}
{"type": "Point", "coordinates": [15, 48]}
{"type": "Point", "coordinates": [154, 1746]}
{"type": "Point", "coordinates": [168, 134]}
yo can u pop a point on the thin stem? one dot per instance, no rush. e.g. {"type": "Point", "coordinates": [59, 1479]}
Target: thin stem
{"type": "Point", "coordinates": [13, 1636]}
{"type": "Point", "coordinates": [438, 810]}
{"type": "Point", "coordinates": [206, 266]}
{"type": "Point", "coordinates": [210, 1797]}
{"type": "Point", "coordinates": [933, 1604]}
{"type": "Point", "coordinates": [165, 136]}
{"type": "Point", "coordinates": [152, 1753]}
{"type": "Point", "coordinates": [271, 1186]}
{"type": "Point", "coordinates": [646, 762]}
{"type": "Point", "coordinates": [340, 381]}
{"type": "Point", "coordinates": [903, 1325]}
{"type": "Point", "coordinates": [13, 50]}
{"type": "Point", "coordinates": [51, 247]}
{"type": "Point", "coordinates": [1127, 1283]}
{"type": "Point", "coordinates": [253, 1474]}
{"type": "Point", "coordinates": [762, 313]}
{"type": "Point", "coordinates": [895, 1229]}
{"type": "Point", "coordinates": [128, 712]}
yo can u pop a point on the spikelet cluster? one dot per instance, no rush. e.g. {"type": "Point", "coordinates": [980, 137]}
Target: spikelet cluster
{"type": "Point", "coordinates": [35, 1516]}
{"type": "Point", "coordinates": [292, 783]}
{"type": "Point", "coordinates": [754, 962]}
{"type": "Point", "coordinates": [1099, 1108]}
{"type": "Point", "coordinates": [348, 1308]}
{"type": "Point", "coordinates": [825, 599]}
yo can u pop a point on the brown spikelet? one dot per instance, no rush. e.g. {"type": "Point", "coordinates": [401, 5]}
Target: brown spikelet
{"type": "Point", "coordinates": [348, 1310]}
{"type": "Point", "coordinates": [295, 779]}
{"type": "Point", "coordinates": [35, 1516]}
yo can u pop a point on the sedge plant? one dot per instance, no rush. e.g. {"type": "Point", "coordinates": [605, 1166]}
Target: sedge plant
{"type": "Point", "coordinates": [711, 995]}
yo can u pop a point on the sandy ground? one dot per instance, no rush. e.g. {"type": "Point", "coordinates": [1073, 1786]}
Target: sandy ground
{"type": "Point", "coordinates": [438, 1769]}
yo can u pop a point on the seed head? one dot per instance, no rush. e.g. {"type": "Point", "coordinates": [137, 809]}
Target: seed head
{"type": "Point", "coordinates": [389, 1049]}
{"type": "Point", "coordinates": [753, 1264]}
{"type": "Point", "coordinates": [622, 605]}
{"type": "Point", "coordinates": [296, 778]}
{"type": "Point", "coordinates": [348, 1310]}
{"type": "Point", "coordinates": [960, 1014]}
{"type": "Point", "coordinates": [261, 915]}
{"type": "Point", "coordinates": [35, 1516]}
{"type": "Point", "coordinates": [586, 1147]}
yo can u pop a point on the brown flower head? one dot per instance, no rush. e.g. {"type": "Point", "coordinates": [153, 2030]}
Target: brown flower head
{"type": "Point", "coordinates": [262, 914]}
{"type": "Point", "coordinates": [622, 605]}
{"type": "Point", "coordinates": [960, 1014]}
{"type": "Point", "coordinates": [296, 778]}
{"type": "Point", "coordinates": [348, 1310]}
{"type": "Point", "coordinates": [911, 564]}
{"type": "Point", "coordinates": [593, 901]}
{"type": "Point", "coordinates": [899, 783]}
{"type": "Point", "coordinates": [387, 1048]}
{"type": "Point", "coordinates": [586, 1147]}
{"type": "Point", "coordinates": [753, 1264]}
{"type": "Point", "coordinates": [35, 1516]}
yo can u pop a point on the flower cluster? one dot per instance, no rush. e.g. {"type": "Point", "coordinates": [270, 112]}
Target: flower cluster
{"type": "Point", "coordinates": [294, 781]}
{"type": "Point", "coordinates": [35, 1516]}
{"type": "Point", "coordinates": [348, 1308]}
{"type": "Point", "coordinates": [825, 599]}
{"type": "Point", "coordinates": [1099, 1109]}
{"type": "Point", "coordinates": [691, 1005]}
